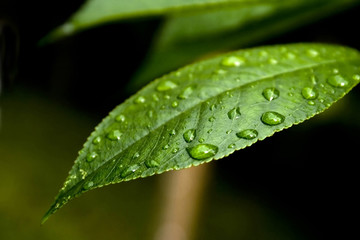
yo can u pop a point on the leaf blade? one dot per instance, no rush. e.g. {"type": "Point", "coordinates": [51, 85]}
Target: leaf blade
{"type": "Point", "coordinates": [225, 111]}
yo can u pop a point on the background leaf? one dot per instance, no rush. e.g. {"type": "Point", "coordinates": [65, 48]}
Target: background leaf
{"type": "Point", "coordinates": [96, 12]}
{"type": "Point", "coordinates": [186, 37]}
{"type": "Point", "coordinates": [210, 109]}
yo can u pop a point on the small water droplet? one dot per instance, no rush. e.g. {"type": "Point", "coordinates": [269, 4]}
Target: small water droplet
{"type": "Point", "coordinates": [150, 113]}
{"type": "Point", "coordinates": [151, 163]}
{"type": "Point", "coordinates": [337, 81]}
{"type": "Point", "coordinates": [309, 93]}
{"type": "Point", "coordinates": [312, 103]}
{"type": "Point", "coordinates": [356, 77]}
{"type": "Point", "coordinates": [228, 131]}
{"type": "Point", "coordinates": [209, 131]}
{"type": "Point", "coordinates": [312, 53]}
{"type": "Point", "coordinates": [96, 140]}
{"type": "Point", "coordinates": [201, 140]}
{"type": "Point", "coordinates": [155, 97]}
{"type": "Point", "coordinates": [272, 118]}
{"type": "Point", "coordinates": [273, 61]}
{"type": "Point", "coordinates": [167, 97]}
{"type": "Point", "coordinates": [88, 185]}
{"type": "Point", "coordinates": [174, 104]}
{"type": "Point", "coordinates": [335, 71]}
{"type": "Point", "coordinates": [175, 150]}
{"type": "Point", "coordinates": [166, 85]}
{"type": "Point", "coordinates": [211, 119]}
{"type": "Point", "coordinates": [313, 80]}
{"type": "Point", "coordinates": [140, 99]}
{"type": "Point", "coordinates": [234, 113]}
{"type": "Point", "coordinates": [186, 93]}
{"type": "Point", "coordinates": [91, 156]}
{"type": "Point", "coordinates": [172, 132]}
{"type": "Point", "coordinates": [212, 107]}
{"type": "Point", "coordinates": [263, 53]}
{"type": "Point", "coordinates": [220, 71]}
{"type": "Point", "coordinates": [290, 55]}
{"type": "Point", "coordinates": [231, 145]}
{"type": "Point", "coordinates": [290, 94]}
{"type": "Point", "coordinates": [247, 134]}
{"type": "Point", "coordinates": [120, 118]}
{"type": "Point", "coordinates": [136, 155]}
{"type": "Point", "coordinates": [202, 151]}
{"type": "Point", "coordinates": [189, 135]}
{"type": "Point", "coordinates": [130, 170]}
{"type": "Point", "coordinates": [271, 93]}
{"type": "Point", "coordinates": [233, 61]}
{"type": "Point", "coordinates": [165, 147]}
{"type": "Point", "coordinates": [114, 135]}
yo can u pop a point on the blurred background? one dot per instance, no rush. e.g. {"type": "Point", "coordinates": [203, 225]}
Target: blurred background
{"type": "Point", "coordinates": [298, 184]}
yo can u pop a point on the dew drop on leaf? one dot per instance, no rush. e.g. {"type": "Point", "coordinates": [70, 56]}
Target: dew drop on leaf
{"type": "Point", "coordinates": [231, 145]}
{"type": "Point", "coordinates": [166, 85]}
{"type": "Point", "coordinates": [151, 163]}
{"type": "Point", "coordinates": [130, 170]}
{"type": "Point", "coordinates": [174, 104]}
{"type": "Point", "coordinates": [337, 81]}
{"type": "Point", "coordinates": [273, 61]}
{"type": "Point", "coordinates": [189, 135]}
{"type": "Point", "coordinates": [212, 119]}
{"type": "Point", "coordinates": [96, 140]}
{"type": "Point", "coordinates": [271, 93]}
{"type": "Point", "coordinates": [272, 118]}
{"type": "Point", "coordinates": [233, 61]}
{"type": "Point", "coordinates": [114, 135]}
{"type": "Point", "coordinates": [88, 185]}
{"type": "Point", "coordinates": [186, 93]}
{"type": "Point", "coordinates": [140, 99]}
{"type": "Point", "coordinates": [309, 93]}
{"type": "Point", "coordinates": [175, 150]}
{"type": "Point", "coordinates": [312, 53]}
{"type": "Point", "coordinates": [91, 156]}
{"type": "Point", "coordinates": [234, 113]}
{"type": "Point", "coordinates": [356, 77]}
{"type": "Point", "coordinates": [165, 147]}
{"type": "Point", "coordinates": [120, 118]}
{"type": "Point", "coordinates": [201, 140]}
{"type": "Point", "coordinates": [202, 151]}
{"type": "Point", "coordinates": [247, 134]}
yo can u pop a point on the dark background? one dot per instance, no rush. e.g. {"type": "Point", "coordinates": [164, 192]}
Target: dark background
{"type": "Point", "coordinates": [299, 184]}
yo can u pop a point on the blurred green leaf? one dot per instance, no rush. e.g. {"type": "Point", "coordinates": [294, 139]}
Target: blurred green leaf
{"type": "Point", "coordinates": [186, 37]}
{"type": "Point", "coordinates": [208, 110]}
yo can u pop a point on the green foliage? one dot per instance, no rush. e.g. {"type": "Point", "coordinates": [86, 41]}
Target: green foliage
{"type": "Point", "coordinates": [209, 109]}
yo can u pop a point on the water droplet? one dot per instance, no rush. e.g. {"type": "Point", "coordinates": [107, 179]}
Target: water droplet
{"type": "Point", "coordinates": [209, 131]}
{"type": "Point", "coordinates": [166, 97]}
{"type": "Point", "coordinates": [309, 93]}
{"type": "Point", "coordinates": [313, 80]}
{"type": "Point", "coordinates": [189, 135]}
{"type": "Point", "coordinates": [220, 71]}
{"type": "Point", "coordinates": [150, 113]}
{"type": "Point", "coordinates": [88, 185]}
{"type": "Point", "coordinates": [271, 93]}
{"type": "Point", "coordinates": [120, 118]}
{"type": "Point", "coordinates": [166, 85]}
{"type": "Point", "coordinates": [186, 93]}
{"type": "Point", "coordinates": [140, 99]}
{"type": "Point", "coordinates": [151, 163]}
{"type": "Point", "coordinates": [290, 55]}
{"type": "Point", "coordinates": [83, 173]}
{"type": "Point", "coordinates": [175, 150]}
{"type": "Point", "coordinates": [173, 132]}
{"type": "Point", "coordinates": [212, 107]}
{"type": "Point", "coordinates": [337, 81]}
{"type": "Point", "coordinates": [165, 147]}
{"type": "Point", "coordinates": [202, 151]}
{"type": "Point", "coordinates": [228, 131]}
{"type": "Point", "coordinates": [272, 118]}
{"type": "Point", "coordinates": [96, 140]}
{"type": "Point", "coordinates": [231, 145]}
{"type": "Point", "coordinates": [312, 103]}
{"type": "Point", "coordinates": [201, 140]}
{"type": "Point", "coordinates": [312, 53]}
{"type": "Point", "coordinates": [114, 135]}
{"type": "Point", "coordinates": [155, 97]}
{"type": "Point", "coordinates": [234, 113]}
{"type": "Point", "coordinates": [130, 170]}
{"type": "Point", "coordinates": [335, 71]}
{"type": "Point", "coordinates": [273, 61]}
{"type": "Point", "coordinates": [91, 156]}
{"type": "Point", "coordinates": [174, 104]}
{"type": "Point", "coordinates": [212, 119]}
{"type": "Point", "coordinates": [356, 77]}
{"type": "Point", "coordinates": [290, 94]}
{"type": "Point", "coordinates": [136, 155]}
{"type": "Point", "coordinates": [233, 61]}
{"type": "Point", "coordinates": [247, 134]}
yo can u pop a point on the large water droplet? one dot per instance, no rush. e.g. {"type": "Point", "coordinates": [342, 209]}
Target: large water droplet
{"type": "Point", "coordinates": [272, 118]}
{"type": "Point", "coordinates": [114, 135]}
{"type": "Point", "coordinates": [130, 170]}
{"type": "Point", "coordinates": [309, 93]}
{"type": "Point", "coordinates": [96, 140]}
{"type": "Point", "coordinates": [140, 99]}
{"type": "Point", "coordinates": [120, 118]}
{"type": "Point", "coordinates": [271, 93]}
{"type": "Point", "coordinates": [337, 81]}
{"type": "Point", "coordinates": [151, 163]}
{"type": "Point", "coordinates": [189, 135]}
{"type": "Point", "coordinates": [234, 113]}
{"type": "Point", "coordinates": [202, 151]}
{"type": "Point", "coordinates": [91, 156]}
{"type": "Point", "coordinates": [233, 61]}
{"type": "Point", "coordinates": [186, 93]}
{"type": "Point", "coordinates": [247, 134]}
{"type": "Point", "coordinates": [166, 85]}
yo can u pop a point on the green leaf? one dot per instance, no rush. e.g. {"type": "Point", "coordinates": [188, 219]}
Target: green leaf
{"type": "Point", "coordinates": [224, 29]}
{"type": "Point", "coordinates": [208, 110]}
{"type": "Point", "coordinates": [96, 12]}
